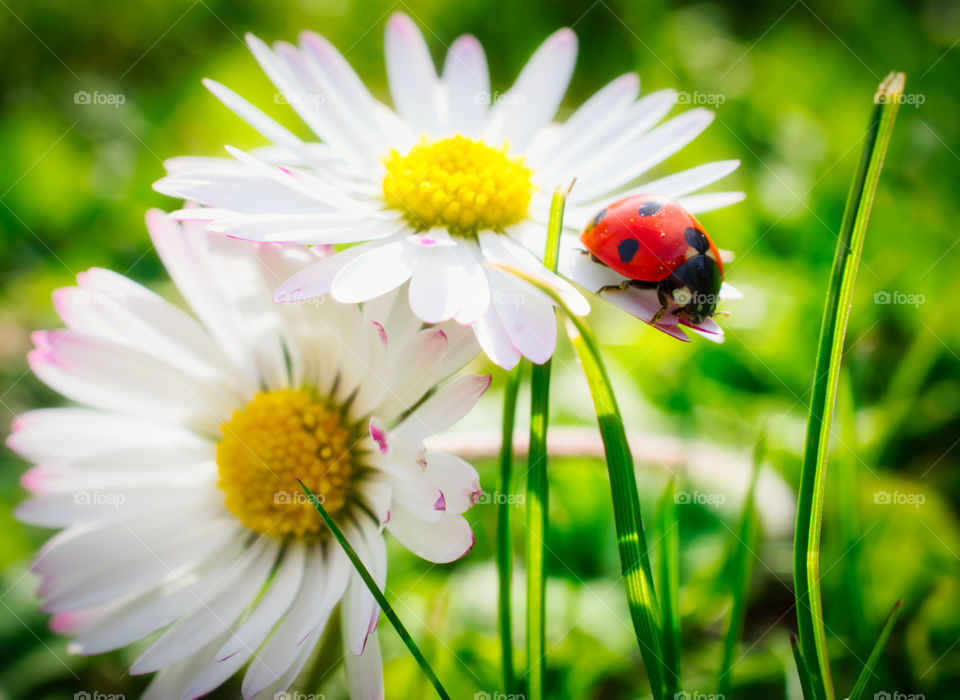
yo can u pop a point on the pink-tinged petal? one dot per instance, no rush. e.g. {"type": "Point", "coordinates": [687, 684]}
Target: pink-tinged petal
{"type": "Point", "coordinates": [533, 99]}
{"type": "Point", "coordinates": [365, 672]}
{"type": "Point", "coordinates": [413, 79]}
{"type": "Point", "coordinates": [467, 83]}
{"type": "Point", "coordinates": [449, 404]}
{"type": "Point", "coordinates": [379, 435]}
{"type": "Point", "coordinates": [527, 316]}
{"type": "Point", "coordinates": [456, 479]}
{"type": "Point", "coordinates": [494, 340]}
{"type": "Point", "coordinates": [373, 273]}
{"type": "Point", "coordinates": [441, 542]}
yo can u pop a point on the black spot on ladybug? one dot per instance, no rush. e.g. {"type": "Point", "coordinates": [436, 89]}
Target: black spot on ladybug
{"type": "Point", "coordinates": [627, 248]}
{"type": "Point", "coordinates": [649, 208]}
{"type": "Point", "coordinates": [697, 240]}
{"type": "Point", "coordinates": [599, 217]}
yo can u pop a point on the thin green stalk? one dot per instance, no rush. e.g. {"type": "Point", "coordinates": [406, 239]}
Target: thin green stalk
{"type": "Point", "coordinates": [836, 314]}
{"type": "Point", "coordinates": [504, 534]}
{"type": "Point", "coordinates": [538, 503]}
{"type": "Point", "coordinates": [376, 592]}
{"type": "Point", "coordinates": [806, 684]}
{"type": "Point", "coordinates": [669, 585]}
{"type": "Point", "coordinates": [631, 541]}
{"type": "Point", "coordinates": [848, 508]}
{"type": "Point", "coordinates": [743, 568]}
{"type": "Point", "coordinates": [881, 642]}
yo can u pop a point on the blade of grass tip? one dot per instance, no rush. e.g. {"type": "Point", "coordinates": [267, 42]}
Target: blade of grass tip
{"type": "Point", "coordinates": [743, 570]}
{"type": "Point", "coordinates": [835, 316]}
{"type": "Point", "coordinates": [504, 532]}
{"type": "Point", "coordinates": [668, 583]}
{"type": "Point", "coordinates": [881, 642]}
{"type": "Point", "coordinates": [806, 685]}
{"type": "Point", "coordinates": [538, 503]}
{"type": "Point", "coordinates": [631, 540]}
{"type": "Point", "coordinates": [376, 592]}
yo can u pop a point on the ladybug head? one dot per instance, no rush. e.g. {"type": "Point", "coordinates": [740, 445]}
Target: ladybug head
{"type": "Point", "coordinates": [695, 287]}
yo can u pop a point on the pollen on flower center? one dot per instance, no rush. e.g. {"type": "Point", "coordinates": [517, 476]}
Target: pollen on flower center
{"type": "Point", "coordinates": [275, 439]}
{"type": "Point", "coordinates": [462, 185]}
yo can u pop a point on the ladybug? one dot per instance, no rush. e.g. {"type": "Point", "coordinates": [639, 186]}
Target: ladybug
{"type": "Point", "coordinates": [657, 244]}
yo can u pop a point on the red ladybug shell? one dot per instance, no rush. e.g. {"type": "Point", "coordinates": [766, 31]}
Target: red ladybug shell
{"type": "Point", "coordinates": [646, 237]}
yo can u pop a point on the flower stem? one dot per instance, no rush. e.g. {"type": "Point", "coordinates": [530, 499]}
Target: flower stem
{"type": "Point", "coordinates": [631, 541]}
{"type": "Point", "coordinates": [538, 501]}
{"type": "Point", "coordinates": [504, 534]}
{"type": "Point", "coordinates": [806, 561]}
{"type": "Point", "coordinates": [376, 592]}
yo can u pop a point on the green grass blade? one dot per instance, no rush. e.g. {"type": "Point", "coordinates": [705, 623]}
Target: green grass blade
{"type": "Point", "coordinates": [743, 569]}
{"type": "Point", "coordinates": [878, 646]}
{"type": "Point", "coordinates": [668, 583]}
{"type": "Point", "coordinates": [806, 683]}
{"type": "Point", "coordinates": [836, 314]}
{"type": "Point", "coordinates": [377, 593]}
{"type": "Point", "coordinates": [538, 502]}
{"type": "Point", "coordinates": [504, 532]}
{"type": "Point", "coordinates": [631, 540]}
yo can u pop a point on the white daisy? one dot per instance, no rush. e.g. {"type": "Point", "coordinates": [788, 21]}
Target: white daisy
{"type": "Point", "coordinates": [175, 483]}
{"type": "Point", "coordinates": [452, 179]}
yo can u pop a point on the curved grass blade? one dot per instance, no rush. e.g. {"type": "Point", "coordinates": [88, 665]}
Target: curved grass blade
{"type": "Point", "coordinates": [668, 582]}
{"type": "Point", "coordinates": [631, 541]}
{"type": "Point", "coordinates": [806, 684]}
{"type": "Point", "coordinates": [538, 502]}
{"type": "Point", "coordinates": [878, 646]}
{"type": "Point", "coordinates": [376, 592]}
{"type": "Point", "coordinates": [835, 316]}
{"type": "Point", "coordinates": [743, 569]}
{"type": "Point", "coordinates": [504, 532]}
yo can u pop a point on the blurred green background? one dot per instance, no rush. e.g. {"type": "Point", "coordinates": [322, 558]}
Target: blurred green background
{"type": "Point", "coordinates": [795, 82]}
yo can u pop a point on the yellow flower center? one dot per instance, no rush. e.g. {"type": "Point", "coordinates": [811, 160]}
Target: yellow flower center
{"type": "Point", "coordinates": [462, 185]}
{"type": "Point", "coordinates": [275, 439]}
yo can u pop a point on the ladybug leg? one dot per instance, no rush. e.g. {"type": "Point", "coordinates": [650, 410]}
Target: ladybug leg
{"type": "Point", "coordinates": [664, 304]}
